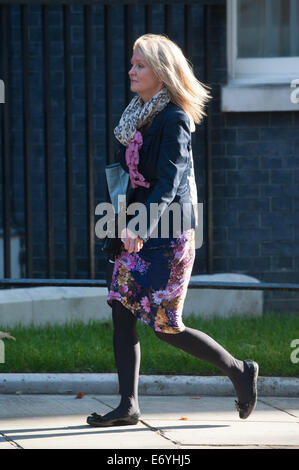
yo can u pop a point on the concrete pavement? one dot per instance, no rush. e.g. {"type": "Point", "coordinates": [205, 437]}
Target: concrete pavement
{"type": "Point", "coordinates": [168, 422]}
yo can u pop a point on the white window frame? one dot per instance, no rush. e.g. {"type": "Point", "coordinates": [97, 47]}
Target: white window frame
{"type": "Point", "coordinates": [256, 84]}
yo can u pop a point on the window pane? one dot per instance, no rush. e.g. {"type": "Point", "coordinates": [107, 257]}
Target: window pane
{"type": "Point", "coordinates": [268, 28]}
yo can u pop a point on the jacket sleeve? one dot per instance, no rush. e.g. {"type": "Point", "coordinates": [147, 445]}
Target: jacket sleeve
{"type": "Point", "coordinates": [172, 161]}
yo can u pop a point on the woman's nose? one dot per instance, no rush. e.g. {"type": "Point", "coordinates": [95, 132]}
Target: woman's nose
{"type": "Point", "coordinates": [131, 74]}
{"type": "Point", "coordinates": [131, 70]}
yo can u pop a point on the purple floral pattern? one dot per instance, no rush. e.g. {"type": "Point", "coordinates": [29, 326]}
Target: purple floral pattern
{"type": "Point", "coordinates": [153, 283]}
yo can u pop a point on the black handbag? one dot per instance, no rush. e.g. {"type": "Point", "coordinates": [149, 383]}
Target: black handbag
{"type": "Point", "coordinates": [112, 245]}
{"type": "Point", "coordinates": [118, 184]}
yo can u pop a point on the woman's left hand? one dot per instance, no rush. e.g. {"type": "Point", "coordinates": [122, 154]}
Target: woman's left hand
{"type": "Point", "coordinates": [131, 241]}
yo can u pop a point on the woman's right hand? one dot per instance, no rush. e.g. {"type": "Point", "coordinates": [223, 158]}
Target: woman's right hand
{"type": "Point", "coordinates": [131, 241]}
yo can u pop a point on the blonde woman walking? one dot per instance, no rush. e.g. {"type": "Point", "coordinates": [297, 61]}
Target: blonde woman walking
{"type": "Point", "coordinates": [151, 274]}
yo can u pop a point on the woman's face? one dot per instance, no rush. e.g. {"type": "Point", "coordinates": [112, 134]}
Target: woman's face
{"type": "Point", "coordinates": [143, 80]}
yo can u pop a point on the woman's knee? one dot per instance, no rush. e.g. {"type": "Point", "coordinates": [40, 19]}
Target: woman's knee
{"type": "Point", "coordinates": [163, 336]}
{"type": "Point", "coordinates": [124, 322]}
{"type": "Point", "coordinates": [121, 314]}
{"type": "Point", "coordinates": [170, 338]}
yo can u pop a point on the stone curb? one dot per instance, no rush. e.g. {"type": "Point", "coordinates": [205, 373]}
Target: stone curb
{"type": "Point", "coordinates": [107, 384]}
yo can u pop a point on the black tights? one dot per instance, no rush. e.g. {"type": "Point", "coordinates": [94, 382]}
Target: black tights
{"type": "Point", "coordinates": [194, 342]}
{"type": "Point", "coordinates": [127, 359]}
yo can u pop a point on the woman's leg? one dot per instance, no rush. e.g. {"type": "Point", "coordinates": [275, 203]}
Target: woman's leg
{"type": "Point", "coordinates": [204, 347]}
{"type": "Point", "coordinates": [127, 358]}
{"type": "Point", "coordinates": [127, 355]}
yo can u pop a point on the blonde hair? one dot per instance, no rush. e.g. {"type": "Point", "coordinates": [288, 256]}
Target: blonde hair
{"type": "Point", "coordinates": [169, 64]}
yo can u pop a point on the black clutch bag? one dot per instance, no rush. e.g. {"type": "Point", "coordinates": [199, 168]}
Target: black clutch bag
{"type": "Point", "coordinates": [113, 245]}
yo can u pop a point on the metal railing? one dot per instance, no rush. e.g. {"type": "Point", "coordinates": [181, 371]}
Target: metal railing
{"type": "Point", "coordinates": [193, 284]}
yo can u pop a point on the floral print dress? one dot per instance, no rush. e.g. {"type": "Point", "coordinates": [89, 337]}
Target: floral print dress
{"type": "Point", "coordinates": [153, 283]}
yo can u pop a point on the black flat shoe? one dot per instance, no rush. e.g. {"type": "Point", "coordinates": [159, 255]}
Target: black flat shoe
{"type": "Point", "coordinates": [245, 409]}
{"type": "Point", "coordinates": [100, 420]}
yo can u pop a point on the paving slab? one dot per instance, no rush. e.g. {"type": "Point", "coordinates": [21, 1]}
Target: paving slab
{"type": "Point", "coordinates": [203, 421]}
{"type": "Point", "coordinates": [289, 405]}
{"type": "Point", "coordinates": [167, 422]}
{"type": "Point", "coordinates": [59, 422]}
{"type": "Point", "coordinates": [5, 444]}
{"type": "Point", "coordinates": [68, 432]}
{"type": "Point", "coordinates": [224, 433]}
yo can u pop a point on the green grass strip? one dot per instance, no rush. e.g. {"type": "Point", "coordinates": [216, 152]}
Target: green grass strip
{"type": "Point", "coordinates": [79, 347]}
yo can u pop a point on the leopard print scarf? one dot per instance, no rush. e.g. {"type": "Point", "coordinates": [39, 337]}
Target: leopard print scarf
{"type": "Point", "coordinates": [138, 113]}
